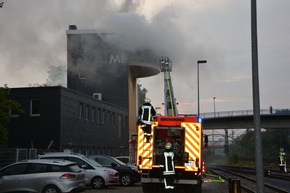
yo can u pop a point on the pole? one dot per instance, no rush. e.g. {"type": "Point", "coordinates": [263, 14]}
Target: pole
{"type": "Point", "coordinates": [214, 106]}
{"type": "Point", "coordinates": [198, 62]}
{"type": "Point", "coordinates": [198, 89]}
{"type": "Point", "coordinates": [256, 100]}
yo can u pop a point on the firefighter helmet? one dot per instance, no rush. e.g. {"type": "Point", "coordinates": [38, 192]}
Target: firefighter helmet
{"type": "Point", "coordinates": [168, 146]}
{"type": "Point", "coordinates": [147, 100]}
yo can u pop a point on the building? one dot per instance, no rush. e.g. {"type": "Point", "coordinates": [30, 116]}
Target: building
{"type": "Point", "coordinates": [99, 64]}
{"type": "Point", "coordinates": [56, 118]}
{"type": "Point", "coordinates": [98, 110]}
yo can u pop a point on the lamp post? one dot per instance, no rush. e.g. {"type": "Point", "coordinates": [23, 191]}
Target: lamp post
{"type": "Point", "coordinates": [198, 62]}
{"type": "Point", "coordinates": [213, 106]}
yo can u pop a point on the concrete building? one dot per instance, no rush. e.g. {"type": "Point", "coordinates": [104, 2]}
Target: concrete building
{"type": "Point", "coordinates": [100, 65]}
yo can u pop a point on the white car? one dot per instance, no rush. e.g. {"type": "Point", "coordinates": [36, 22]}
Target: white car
{"type": "Point", "coordinates": [95, 175]}
{"type": "Point", "coordinates": [42, 176]}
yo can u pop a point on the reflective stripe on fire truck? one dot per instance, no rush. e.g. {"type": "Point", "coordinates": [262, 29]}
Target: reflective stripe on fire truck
{"type": "Point", "coordinates": [145, 150]}
{"type": "Point", "coordinates": [192, 145]}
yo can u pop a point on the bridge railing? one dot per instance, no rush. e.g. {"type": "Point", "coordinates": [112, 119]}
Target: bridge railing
{"type": "Point", "coordinates": [243, 112]}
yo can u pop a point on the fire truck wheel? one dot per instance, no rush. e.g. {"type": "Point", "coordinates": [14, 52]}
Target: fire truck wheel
{"type": "Point", "coordinates": [126, 179]}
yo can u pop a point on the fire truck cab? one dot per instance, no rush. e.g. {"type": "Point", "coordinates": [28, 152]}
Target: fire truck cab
{"type": "Point", "coordinates": [185, 134]}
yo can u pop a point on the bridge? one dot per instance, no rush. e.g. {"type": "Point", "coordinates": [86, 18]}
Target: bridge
{"type": "Point", "coordinates": [243, 119]}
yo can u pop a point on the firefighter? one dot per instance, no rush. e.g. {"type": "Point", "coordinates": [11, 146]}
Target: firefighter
{"type": "Point", "coordinates": [145, 115]}
{"type": "Point", "coordinates": [167, 168]}
{"type": "Point", "coordinates": [282, 162]}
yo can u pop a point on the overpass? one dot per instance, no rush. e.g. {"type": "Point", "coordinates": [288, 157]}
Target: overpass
{"type": "Point", "coordinates": [280, 118]}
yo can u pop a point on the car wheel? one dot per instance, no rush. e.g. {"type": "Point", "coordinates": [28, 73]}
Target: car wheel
{"type": "Point", "coordinates": [98, 183]}
{"type": "Point", "coordinates": [51, 189]}
{"type": "Point", "coordinates": [126, 179]}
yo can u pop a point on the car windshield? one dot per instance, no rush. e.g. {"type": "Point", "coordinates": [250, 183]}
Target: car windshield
{"type": "Point", "coordinates": [118, 161]}
{"type": "Point", "coordinates": [91, 161]}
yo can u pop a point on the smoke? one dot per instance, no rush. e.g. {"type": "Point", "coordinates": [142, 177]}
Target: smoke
{"type": "Point", "coordinates": [56, 75]}
{"type": "Point", "coordinates": [33, 41]}
{"type": "Point", "coordinates": [37, 41]}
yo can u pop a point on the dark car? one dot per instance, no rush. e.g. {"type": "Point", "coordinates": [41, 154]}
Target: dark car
{"type": "Point", "coordinates": [42, 176]}
{"type": "Point", "coordinates": [127, 175]}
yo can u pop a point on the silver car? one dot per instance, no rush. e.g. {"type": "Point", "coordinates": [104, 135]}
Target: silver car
{"type": "Point", "coordinates": [96, 176]}
{"type": "Point", "coordinates": [42, 176]}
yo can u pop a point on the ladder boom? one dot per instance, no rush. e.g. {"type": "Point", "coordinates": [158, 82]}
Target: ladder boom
{"type": "Point", "coordinates": [170, 107]}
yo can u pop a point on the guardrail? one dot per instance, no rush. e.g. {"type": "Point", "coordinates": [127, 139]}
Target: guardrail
{"type": "Point", "coordinates": [244, 112]}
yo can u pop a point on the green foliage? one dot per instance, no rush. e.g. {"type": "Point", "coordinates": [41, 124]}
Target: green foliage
{"type": "Point", "coordinates": [272, 141]}
{"type": "Point", "coordinates": [6, 106]}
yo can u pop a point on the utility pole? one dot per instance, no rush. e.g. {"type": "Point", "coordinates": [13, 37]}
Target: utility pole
{"type": "Point", "coordinates": [256, 100]}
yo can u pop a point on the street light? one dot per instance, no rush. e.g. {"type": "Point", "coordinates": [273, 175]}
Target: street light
{"type": "Point", "coordinates": [213, 106]}
{"type": "Point", "coordinates": [198, 62]}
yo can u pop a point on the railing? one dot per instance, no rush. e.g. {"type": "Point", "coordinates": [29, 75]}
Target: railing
{"type": "Point", "coordinates": [244, 112]}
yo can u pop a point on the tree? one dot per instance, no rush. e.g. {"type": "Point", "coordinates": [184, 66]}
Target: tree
{"type": "Point", "coordinates": [6, 107]}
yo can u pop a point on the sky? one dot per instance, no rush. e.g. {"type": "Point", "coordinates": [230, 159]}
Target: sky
{"type": "Point", "coordinates": [33, 46]}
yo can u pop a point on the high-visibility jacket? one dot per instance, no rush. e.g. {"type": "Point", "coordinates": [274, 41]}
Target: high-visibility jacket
{"type": "Point", "coordinates": [167, 163]}
{"type": "Point", "coordinates": [146, 111]}
{"type": "Point", "coordinates": [281, 160]}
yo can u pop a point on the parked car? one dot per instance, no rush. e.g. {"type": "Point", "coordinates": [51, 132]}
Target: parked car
{"type": "Point", "coordinates": [42, 176]}
{"type": "Point", "coordinates": [96, 175]}
{"type": "Point", "coordinates": [125, 159]}
{"type": "Point", "coordinates": [128, 161]}
{"type": "Point", "coordinates": [127, 175]}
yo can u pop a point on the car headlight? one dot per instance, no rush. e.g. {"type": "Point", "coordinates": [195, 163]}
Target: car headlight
{"type": "Point", "coordinates": [110, 172]}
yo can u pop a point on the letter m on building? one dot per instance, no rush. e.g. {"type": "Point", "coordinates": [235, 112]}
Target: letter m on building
{"type": "Point", "coordinates": [116, 59]}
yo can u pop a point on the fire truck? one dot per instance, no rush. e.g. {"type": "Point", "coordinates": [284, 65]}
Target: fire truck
{"type": "Point", "coordinates": [186, 136]}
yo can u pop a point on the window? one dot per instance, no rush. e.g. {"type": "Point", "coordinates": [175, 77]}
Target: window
{"type": "Point", "coordinates": [109, 118]}
{"type": "Point", "coordinates": [99, 115]}
{"type": "Point", "coordinates": [93, 114]}
{"type": "Point", "coordinates": [87, 112]}
{"type": "Point", "coordinates": [113, 119]}
{"type": "Point", "coordinates": [35, 107]}
{"type": "Point", "coordinates": [37, 168]}
{"type": "Point", "coordinates": [104, 161]}
{"type": "Point", "coordinates": [81, 109]}
{"type": "Point", "coordinates": [103, 116]}
{"type": "Point", "coordinates": [119, 126]}
{"type": "Point", "coordinates": [13, 114]}
{"type": "Point", "coordinates": [82, 75]}
{"type": "Point", "coordinates": [17, 169]}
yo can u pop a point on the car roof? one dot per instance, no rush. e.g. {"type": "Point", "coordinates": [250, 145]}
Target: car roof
{"type": "Point", "coordinates": [47, 161]}
{"type": "Point", "coordinates": [60, 154]}
{"type": "Point", "coordinates": [101, 156]}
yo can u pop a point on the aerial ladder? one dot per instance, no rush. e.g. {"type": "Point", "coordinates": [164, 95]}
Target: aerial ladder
{"type": "Point", "coordinates": [170, 105]}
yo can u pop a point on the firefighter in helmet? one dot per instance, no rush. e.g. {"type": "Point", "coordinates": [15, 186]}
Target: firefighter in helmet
{"type": "Point", "coordinates": [145, 115]}
{"type": "Point", "coordinates": [167, 168]}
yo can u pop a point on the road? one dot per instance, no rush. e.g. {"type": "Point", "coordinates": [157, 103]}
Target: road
{"type": "Point", "coordinates": [137, 188]}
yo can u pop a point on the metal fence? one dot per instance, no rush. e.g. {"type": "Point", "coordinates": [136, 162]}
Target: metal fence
{"type": "Point", "coordinates": [244, 112]}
